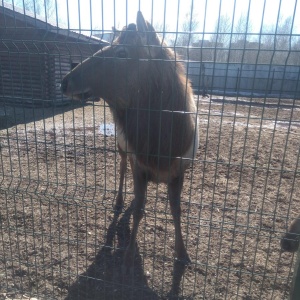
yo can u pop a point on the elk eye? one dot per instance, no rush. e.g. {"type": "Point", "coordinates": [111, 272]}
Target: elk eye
{"type": "Point", "coordinates": [121, 54]}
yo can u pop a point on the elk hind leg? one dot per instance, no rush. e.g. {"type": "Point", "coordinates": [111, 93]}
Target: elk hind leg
{"type": "Point", "coordinates": [123, 166]}
{"type": "Point", "coordinates": [174, 190]}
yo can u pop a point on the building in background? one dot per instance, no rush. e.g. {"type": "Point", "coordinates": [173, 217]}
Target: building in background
{"type": "Point", "coordinates": [35, 55]}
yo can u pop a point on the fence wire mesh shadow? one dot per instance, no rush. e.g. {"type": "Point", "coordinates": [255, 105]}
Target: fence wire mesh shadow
{"type": "Point", "coordinates": [62, 236]}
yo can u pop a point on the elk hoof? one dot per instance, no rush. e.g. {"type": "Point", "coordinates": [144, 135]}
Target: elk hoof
{"type": "Point", "coordinates": [290, 243]}
{"type": "Point", "coordinates": [118, 208]}
{"type": "Point", "coordinates": [119, 204]}
{"type": "Point", "coordinates": [181, 255]}
{"type": "Point", "coordinates": [185, 260]}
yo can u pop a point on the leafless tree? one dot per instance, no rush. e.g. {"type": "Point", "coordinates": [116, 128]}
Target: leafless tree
{"type": "Point", "coordinates": [277, 42]}
{"type": "Point", "coordinates": [283, 40]}
{"type": "Point", "coordinates": [241, 29]}
{"type": "Point", "coordinates": [220, 39]}
{"type": "Point", "coordinates": [163, 30]}
{"type": "Point", "coordinates": [294, 58]}
{"type": "Point", "coordinates": [189, 25]}
{"type": "Point", "coordinates": [222, 31]}
{"type": "Point", "coordinates": [240, 45]}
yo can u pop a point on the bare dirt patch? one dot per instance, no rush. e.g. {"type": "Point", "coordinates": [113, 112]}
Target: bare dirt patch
{"type": "Point", "coordinates": [58, 182]}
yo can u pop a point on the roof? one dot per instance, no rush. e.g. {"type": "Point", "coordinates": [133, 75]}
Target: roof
{"type": "Point", "coordinates": [40, 22]}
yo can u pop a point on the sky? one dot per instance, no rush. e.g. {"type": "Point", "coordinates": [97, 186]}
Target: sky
{"type": "Point", "coordinates": [84, 15]}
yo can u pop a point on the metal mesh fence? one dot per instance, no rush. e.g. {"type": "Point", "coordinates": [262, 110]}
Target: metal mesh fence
{"type": "Point", "coordinates": [60, 234]}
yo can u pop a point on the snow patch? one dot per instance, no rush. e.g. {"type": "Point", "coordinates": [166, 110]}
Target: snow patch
{"type": "Point", "coordinates": [107, 129]}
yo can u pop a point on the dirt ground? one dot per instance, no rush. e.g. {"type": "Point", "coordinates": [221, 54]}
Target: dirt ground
{"type": "Point", "coordinates": [60, 237]}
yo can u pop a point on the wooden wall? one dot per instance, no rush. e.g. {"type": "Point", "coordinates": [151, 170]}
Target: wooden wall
{"type": "Point", "coordinates": [23, 73]}
{"type": "Point", "coordinates": [34, 60]}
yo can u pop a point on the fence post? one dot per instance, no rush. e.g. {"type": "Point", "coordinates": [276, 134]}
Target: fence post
{"type": "Point", "coordinates": [237, 85]}
{"type": "Point", "coordinates": [295, 290]}
{"type": "Point", "coordinates": [272, 80]}
{"type": "Point", "coordinates": [204, 87]}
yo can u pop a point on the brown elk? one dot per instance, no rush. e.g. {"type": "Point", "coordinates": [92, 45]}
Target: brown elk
{"type": "Point", "coordinates": [154, 110]}
{"type": "Point", "coordinates": [290, 241]}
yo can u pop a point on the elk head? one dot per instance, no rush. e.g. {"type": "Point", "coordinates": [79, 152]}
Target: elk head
{"type": "Point", "coordinates": [114, 72]}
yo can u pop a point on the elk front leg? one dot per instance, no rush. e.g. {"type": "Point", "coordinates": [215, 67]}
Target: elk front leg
{"type": "Point", "coordinates": [291, 240]}
{"type": "Point", "coordinates": [174, 190]}
{"type": "Point", "coordinates": [140, 186]}
{"type": "Point", "coordinates": [123, 166]}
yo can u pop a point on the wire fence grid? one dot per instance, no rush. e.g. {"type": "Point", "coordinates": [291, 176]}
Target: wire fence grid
{"type": "Point", "coordinates": [60, 235]}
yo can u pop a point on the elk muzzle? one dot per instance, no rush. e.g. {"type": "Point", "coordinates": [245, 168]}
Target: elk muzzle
{"type": "Point", "coordinates": [73, 90]}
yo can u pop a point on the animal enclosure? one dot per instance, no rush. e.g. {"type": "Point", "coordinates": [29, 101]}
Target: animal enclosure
{"type": "Point", "coordinates": [60, 234]}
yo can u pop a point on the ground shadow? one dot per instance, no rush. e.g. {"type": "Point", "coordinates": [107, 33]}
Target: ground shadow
{"type": "Point", "coordinates": [104, 278]}
{"type": "Point", "coordinates": [12, 114]}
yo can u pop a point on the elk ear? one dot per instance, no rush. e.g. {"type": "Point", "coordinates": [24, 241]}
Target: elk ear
{"type": "Point", "coordinates": [114, 29]}
{"type": "Point", "coordinates": [141, 23]}
{"type": "Point", "coordinates": [116, 32]}
{"type": "Point", "coordinates": [146, 31]}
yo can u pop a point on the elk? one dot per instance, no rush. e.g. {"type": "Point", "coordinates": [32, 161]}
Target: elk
{"type": "Point", "coordinates": [152, 104]}
{"type": "Point", "coordinates": [290, 241]}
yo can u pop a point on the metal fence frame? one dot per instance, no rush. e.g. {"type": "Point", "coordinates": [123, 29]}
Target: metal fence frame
{"type": "Point", "coordinates": [57, 50]}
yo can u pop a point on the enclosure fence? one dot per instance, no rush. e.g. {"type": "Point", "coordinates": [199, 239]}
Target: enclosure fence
{"type": "Point", "coordinates": [63, 234]}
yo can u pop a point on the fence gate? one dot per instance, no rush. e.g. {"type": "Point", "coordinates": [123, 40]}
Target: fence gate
{"type": "Point", "coordinates": [63, 234]}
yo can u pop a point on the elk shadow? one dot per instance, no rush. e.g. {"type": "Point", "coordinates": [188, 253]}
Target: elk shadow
{"type": "Point", "coordinates": [104, 278]}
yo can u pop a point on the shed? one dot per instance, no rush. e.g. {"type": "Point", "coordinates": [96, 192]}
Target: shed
{"type": "Point", "coordinates": [35, 55]}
